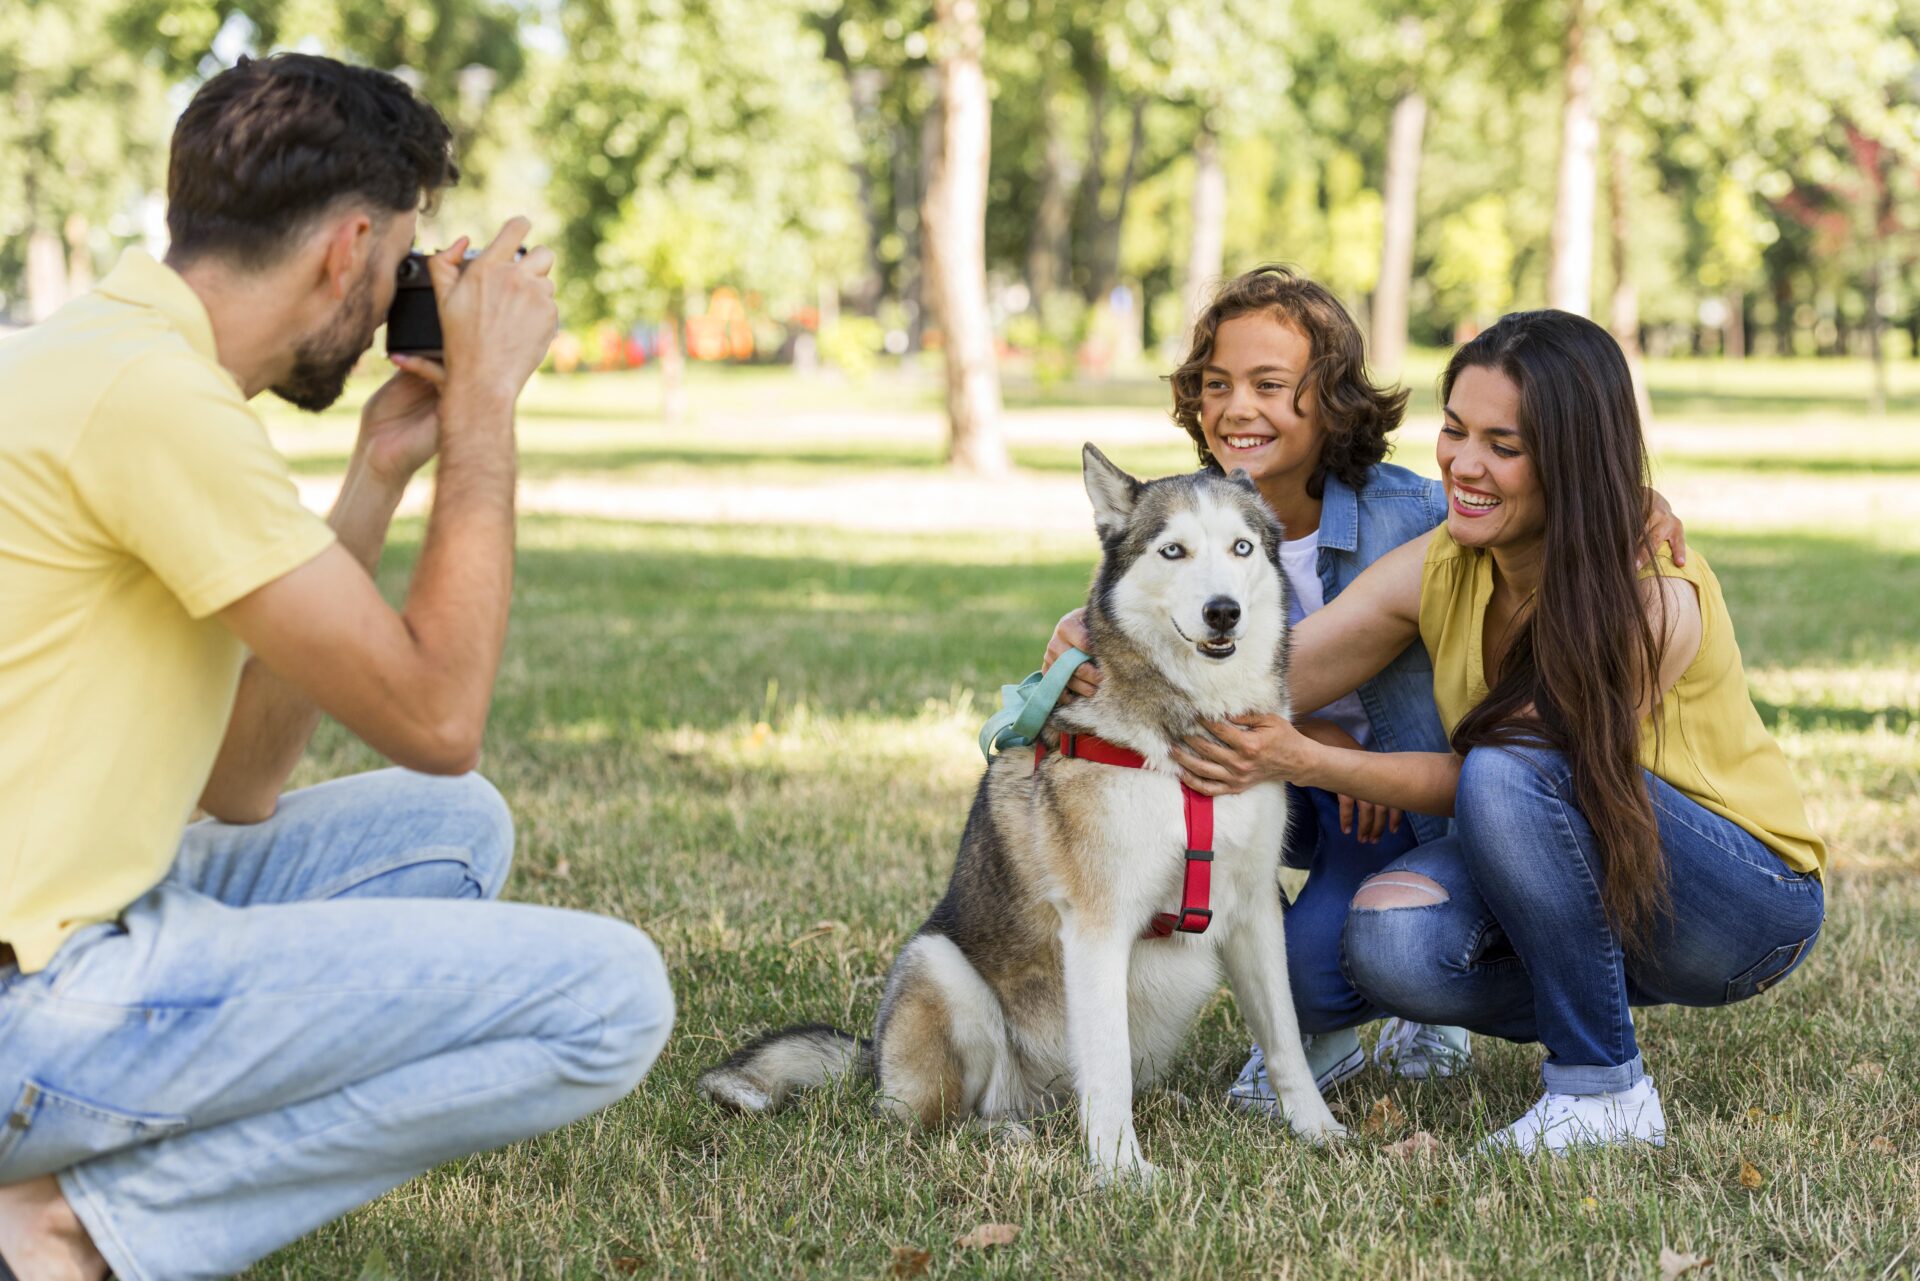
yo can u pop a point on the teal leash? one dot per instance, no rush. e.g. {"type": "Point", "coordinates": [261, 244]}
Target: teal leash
{"type": "Point", "coordinates": [1024, 708]}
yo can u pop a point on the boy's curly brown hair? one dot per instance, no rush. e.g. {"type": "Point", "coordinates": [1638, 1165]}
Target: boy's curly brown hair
{"type": "Point", "coordinates": [1357, 414]}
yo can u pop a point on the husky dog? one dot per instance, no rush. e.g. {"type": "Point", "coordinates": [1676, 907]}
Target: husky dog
{"type": "Point", "coordinates": [1032, 976]}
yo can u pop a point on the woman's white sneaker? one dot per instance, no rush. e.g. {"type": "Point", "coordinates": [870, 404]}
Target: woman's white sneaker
{"type": "Point", "coordinates": [1562, 1121]}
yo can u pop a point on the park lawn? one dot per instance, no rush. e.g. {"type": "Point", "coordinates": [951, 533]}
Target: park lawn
{"type": "Point", "coordinates": [756, 742]}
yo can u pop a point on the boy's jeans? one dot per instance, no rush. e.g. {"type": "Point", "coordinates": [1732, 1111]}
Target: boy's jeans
{"type": "Point", "coordinates": [308, 1012]}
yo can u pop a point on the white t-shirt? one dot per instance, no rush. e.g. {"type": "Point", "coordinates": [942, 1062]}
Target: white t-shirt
{"type": "Point", "coordinates": [1300, 561]}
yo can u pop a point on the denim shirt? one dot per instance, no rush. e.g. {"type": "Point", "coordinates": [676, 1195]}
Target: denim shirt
{"type": "Point", "coordinates": [1358, 527]}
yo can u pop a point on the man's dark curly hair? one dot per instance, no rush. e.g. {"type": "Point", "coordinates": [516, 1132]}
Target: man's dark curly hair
{"type": "Point", "coordinates": [1356, 413]}
{"type": "Point", "coordinates": [267, 145]}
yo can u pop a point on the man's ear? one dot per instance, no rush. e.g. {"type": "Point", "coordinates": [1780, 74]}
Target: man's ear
{"type": "Point", "coordinates": [1113, 491]}
{"type": "Point", "coordinates": [349, 244]}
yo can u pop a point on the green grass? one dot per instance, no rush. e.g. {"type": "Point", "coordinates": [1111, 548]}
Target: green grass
{"type": "Point", "coordinates": [757, 743]}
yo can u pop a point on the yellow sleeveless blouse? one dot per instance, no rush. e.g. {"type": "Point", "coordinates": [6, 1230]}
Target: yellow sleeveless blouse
{"type": "Point", "coordinates": [1713, 749]}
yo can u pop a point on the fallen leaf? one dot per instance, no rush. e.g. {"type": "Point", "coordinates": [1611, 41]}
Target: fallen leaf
{"type": "Point", "coordinates": [627, 1264]}
{"type": "Point", "coordinates": [1868, 1071]}
{"type": "Point", "coordinates": [988, 1234]}
{"type": "Point", "coordinates": [1384, 1116]}
{"type": "Point", "coordinates": [562, 870]}
{"type": "Point", "coordinates": [1419, 1143]}
{"type": "Point", "coordinates": [1590, 1203]}
{"type": "Point", "coordinates": [910, 1261]}
{"type": "Point", "coordinates": [1673, 1263]}
{"type": "Point", "coordinates": [1750, 1176]}
{"type": "Point", "coordinates": [1882, 1144]}
{"type": "Point", "coordinates": [1756, 1115]}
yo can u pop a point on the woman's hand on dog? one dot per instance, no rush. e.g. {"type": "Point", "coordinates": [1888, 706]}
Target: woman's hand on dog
{"type": "Point", "coordinates": [1071, 633]}
{"type": "Point", "coordinates": [1234, 755]}
{"type": "Point", "coordinates": [1258, 749]}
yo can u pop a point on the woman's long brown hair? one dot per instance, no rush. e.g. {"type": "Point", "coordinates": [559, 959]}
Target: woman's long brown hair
{"type": "Point", "coordinates": [1585, 652]}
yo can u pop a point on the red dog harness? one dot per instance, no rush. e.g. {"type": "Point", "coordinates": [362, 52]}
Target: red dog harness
{"type": "Point", "coordinates": [1194, 914]}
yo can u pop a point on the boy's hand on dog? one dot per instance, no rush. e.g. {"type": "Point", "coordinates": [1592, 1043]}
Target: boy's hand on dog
{"type": "Point", "coordinates": [1664, 527]}
{"type": "Point", "coordinates": [1071, 633]}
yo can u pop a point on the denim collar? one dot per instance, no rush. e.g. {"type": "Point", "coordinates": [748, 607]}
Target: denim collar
{"type": "Point", "coordinates": [1339, 515]}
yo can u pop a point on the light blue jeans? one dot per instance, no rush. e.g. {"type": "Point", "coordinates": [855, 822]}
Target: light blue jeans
{"type": "Point", "coordinates": [306, 1013]}
{"type": "Point", "coordinates": [1522, 948]}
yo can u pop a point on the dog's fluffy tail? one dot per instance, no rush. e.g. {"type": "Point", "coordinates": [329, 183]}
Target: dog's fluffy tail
{"type": "Point", "coordinates": [760, 1076]}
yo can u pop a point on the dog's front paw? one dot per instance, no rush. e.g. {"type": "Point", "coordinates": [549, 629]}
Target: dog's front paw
{"type": "Point", "coordinates": [1320, 1133]}
{"type": "Point", "coordinates": [1137, 1175]}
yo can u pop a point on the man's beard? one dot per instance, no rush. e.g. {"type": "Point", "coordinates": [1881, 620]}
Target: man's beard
{"type": "Point", "coordinates": [322, 361]}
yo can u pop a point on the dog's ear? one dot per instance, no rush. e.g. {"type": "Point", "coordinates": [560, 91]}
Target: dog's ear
{"type": "Point", "coordinates": [1112, 491]}
{"type": "Point", "coordinates": [1239, 477]}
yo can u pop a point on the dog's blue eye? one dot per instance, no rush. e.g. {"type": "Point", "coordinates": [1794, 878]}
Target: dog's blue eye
{"type": "Point", "coordinates": [1243, 548]}
{"type": "Point", "coordinates": [1173, 551]}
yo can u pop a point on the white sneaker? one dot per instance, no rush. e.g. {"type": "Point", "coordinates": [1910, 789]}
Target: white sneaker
{"type": "Point", "coordinates": [1422, 1051]}
{"type": "Point", "coordinates": [1562, 1121]}
{"type": "Point", "coordinates": [1332, 1057]}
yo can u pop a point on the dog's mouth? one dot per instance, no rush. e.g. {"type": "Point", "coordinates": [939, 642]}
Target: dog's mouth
{"type": "Point", "coordinates": [1216, 647]}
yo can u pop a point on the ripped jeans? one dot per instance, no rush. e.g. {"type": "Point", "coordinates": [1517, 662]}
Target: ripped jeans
{"type": "Point", "coordinates": [1520, 947]}
{"type": "Point", "coordinates": [307, 1012]}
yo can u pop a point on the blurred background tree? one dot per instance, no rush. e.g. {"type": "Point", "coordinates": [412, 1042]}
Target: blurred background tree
{"type": "Point", "coordinates": [1708, 177]}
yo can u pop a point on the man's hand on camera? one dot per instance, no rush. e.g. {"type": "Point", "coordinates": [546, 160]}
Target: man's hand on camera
{"type": "Point", "coordinates": [497, 314]}
{"type": "Point", "coordinates": [400, 425]}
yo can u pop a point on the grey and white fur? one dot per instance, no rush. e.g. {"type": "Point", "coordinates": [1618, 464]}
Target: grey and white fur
{"type": "Point", "coordinates": [1031, 980]}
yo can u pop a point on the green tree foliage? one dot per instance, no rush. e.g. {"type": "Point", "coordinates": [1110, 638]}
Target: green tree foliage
{"type": "Point", "coordinates": [694, 145]}
{"type": "Point", "coordinates": [82, 136]}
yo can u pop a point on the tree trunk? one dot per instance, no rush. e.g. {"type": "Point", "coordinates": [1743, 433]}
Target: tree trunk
{"type": "Point", "coordinates": [1103, 263]}
{"type": "Point", "coordinates": [1050, 244]}
{"type": "Point", "coordinates": [864, 84]}
{"type": "Point", "coordinates": [673, 369]}
{"type": "Point", "coordinates": [1876, 342]}
{"type": "Point", "coordinates": [46, 273]}
{"type": "Point", "coordinates": [1570, 276]}
{"type": "Point", "coordinates": [1206, 252]}
{"type": "Point", "coordinates": [955, 219]}
{"type": "Point", "coordinates": [1400, 195]}
{"type": "Point", "coordinates": [1733, 337]}
{"type": "Point", "coordinates": [79, 257]}
{"type": "Point", "coordinates": [1623, 316]}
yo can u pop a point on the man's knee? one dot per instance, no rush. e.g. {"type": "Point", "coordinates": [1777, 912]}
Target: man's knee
{"type": "Point", "coordinates": [621, 976]}
{"type": "Point", "coordinates": [491, 822]}
{"type": "Point", "coordinates": [464, 812]}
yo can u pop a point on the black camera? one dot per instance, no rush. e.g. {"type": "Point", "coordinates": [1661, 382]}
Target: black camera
{"type": "Point", "coordinates": [413, 322]}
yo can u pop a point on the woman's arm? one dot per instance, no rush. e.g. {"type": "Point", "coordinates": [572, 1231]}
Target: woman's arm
{"type": "Point", "coordinates": [1257, 749]}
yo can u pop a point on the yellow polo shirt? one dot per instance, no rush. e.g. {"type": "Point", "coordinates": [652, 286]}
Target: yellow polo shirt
{"type": "Point", "coordinates": [139, 495]}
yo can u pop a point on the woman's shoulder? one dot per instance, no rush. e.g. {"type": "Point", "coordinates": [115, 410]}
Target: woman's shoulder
{"type": "Point", "coordinates": [1445, 554]}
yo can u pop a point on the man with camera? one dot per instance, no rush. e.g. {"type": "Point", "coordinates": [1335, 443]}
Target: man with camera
{"type": "Point", "coordinates": [213, 1042]}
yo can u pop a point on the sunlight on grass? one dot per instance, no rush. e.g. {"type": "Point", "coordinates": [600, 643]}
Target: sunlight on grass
{"type": "Point", "coordinates": [757, 742]}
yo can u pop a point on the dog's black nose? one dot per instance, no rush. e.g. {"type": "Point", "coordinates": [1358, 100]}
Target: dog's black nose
{"type": "Point", "coordinates": [1222, 613]}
